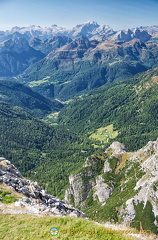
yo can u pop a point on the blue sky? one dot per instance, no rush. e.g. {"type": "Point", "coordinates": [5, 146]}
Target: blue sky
{"type": "Point", "coordinates": [119, 14]}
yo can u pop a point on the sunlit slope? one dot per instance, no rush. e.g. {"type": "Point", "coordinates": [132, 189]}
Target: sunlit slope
{"type": "Point", "coordinates": [131, 106]}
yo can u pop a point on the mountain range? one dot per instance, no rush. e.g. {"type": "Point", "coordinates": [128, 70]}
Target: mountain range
{"type": "Point", "coordinates": [62, 64]}
{"type": "Point", "coordinates": [128, 35]}
{"type": "Point", "coordinates": [104, 187]}
{"type": "Point", "coordinates": [90, 29]}
{"type": "Point", "coordinates": [83, 64]}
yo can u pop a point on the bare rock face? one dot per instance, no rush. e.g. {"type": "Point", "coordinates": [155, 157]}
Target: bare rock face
{"type": "Point", "coordinates": [76, 186]}
{"type": "Point", "coordinates": [116, 148]}
{"type": "Point", "coordinates": [147, 184]}
{"type": "Point", "coordinates": [107, 167]}
{"type": "Point", "coordinates": [103, 190]}
{"type": "Point", "coordinates": [78, 191]}
{"type": "Point", "coordinates": [85, 182]}
{"type": "Point", "coordinates": [116, 171]}
{"type": "Point", "coordinates": [35, 199]}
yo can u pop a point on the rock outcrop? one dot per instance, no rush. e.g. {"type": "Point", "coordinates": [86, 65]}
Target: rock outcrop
{"type": "Point", "coordinates": [146, 186]}
{"type": "Point", "coordinates": [34, 199]}
{"type": "Point", "coordinates": [126, 183]}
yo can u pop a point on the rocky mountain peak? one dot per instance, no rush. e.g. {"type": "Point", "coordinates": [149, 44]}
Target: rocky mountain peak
{"type": "Point", "coordinates": [34, 41]}
{"type": "Point", "coordinates": [116, 148]}
{"type": "Point", "coordinates": [90, 24]}
{"type": "Point", "coordinates": [90, 29]}
{"type": "Point", "coordinates": [128, 35]}
{"type": "Point", "coordinates": [83, 29]}
{"type": "Point", "coordinates": [17, 45]}
{"type": "Point", "coordinates": [16, 28]}
{"type": "Point", "coordinates": [77, 47]}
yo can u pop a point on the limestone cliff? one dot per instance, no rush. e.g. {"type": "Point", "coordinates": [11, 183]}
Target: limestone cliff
{"type": "Point", "coordinates": [119, 186]}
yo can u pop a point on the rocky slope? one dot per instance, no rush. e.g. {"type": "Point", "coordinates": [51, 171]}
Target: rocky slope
{"type": "Point", "coordinates": [33, 199]}
{"type": "Point", "coordinates": [48, 45]}
{"type": "Point", "coordinates": [119, 186]}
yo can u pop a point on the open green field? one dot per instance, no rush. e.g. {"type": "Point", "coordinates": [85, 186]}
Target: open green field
{"type": "Point", "coordinates": [6, 196]}
{"type": "Point", "coordinates": [38, 82]}
{"type": "Point", "coordinates": [52, 118]}
{"type": "Point", "coordinates": [28, 227]}
{"type": "Point", "coordinates": [103, 134]}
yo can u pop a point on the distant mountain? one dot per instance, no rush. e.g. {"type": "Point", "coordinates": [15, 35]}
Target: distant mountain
{"type": "Point", "coordinates": [38, 32]}
{"type": "Point", "coordinates": [153, 30]}
{"type": "Point", "coordinates": [150, 29]}
{"type": "Point", "coordinates": [84, 64]}
{"type": "Point", "coordinates": [16, 55]}
{"type": "Point", "coordinates": [131, 106]}
{"type": "Point", "coordinates": [22, 96]}
{"type": "Point", "coordinates": [48, 45]}
{"type": "Point", "coordinates": [90, 29]}
{"type": "Point", "coordinates": [8, 36]}
{"type": "Point", "coordinates": [128, 35]}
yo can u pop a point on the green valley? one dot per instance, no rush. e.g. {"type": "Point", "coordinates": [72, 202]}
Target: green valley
{"type": "Point", "coordinates": [39, 149]}
{"type": "Point", "coordinates": [131, 106]}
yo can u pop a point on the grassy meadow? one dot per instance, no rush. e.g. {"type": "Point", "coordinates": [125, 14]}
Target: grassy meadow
{"type": "Point", "coordinates": [28, 227]}
{"type": "Point", "coordinates": [103, 134]}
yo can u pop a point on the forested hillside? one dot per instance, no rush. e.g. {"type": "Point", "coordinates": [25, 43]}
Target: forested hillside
{"type": "Point", "coordinates": [43, 153]}
{"type": "Point", "coordinates": [22, 96]}
{"type": "Point", "coordinates": [131, 106]}
{"type": "Point", "coordinates": [38, 149]}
